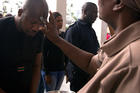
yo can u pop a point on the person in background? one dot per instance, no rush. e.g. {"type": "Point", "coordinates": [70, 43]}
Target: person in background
{"type": "Point", "coordinates": [21, 39]}
{"type": "Point", "coordinates": [54, 59]}
{"type": "Point", "coordinates": [7, 15]}
{"type": "Point", "coordinates": [116, 67]}
{"type": "Point", "coordinates": [82, 35]}
{"type": "Point", "coordinates": [1, 15]}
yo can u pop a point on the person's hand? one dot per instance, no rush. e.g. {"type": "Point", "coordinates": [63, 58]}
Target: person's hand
{"type": "Point", "coordinates": [2, 91]}
{"type": "Point", "coordinates": [51, 29]}
{"type": "Point", "coordinates": [48, 79]}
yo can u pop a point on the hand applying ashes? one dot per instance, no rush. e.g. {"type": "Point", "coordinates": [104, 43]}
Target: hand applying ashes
{"type": "Point", "coordinates": [51, 31]}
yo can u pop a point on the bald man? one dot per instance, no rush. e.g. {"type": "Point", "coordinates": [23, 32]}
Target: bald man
{"type": "Point", "coordinates": [21, 48]}
{"type": "Point", "coordinates": [116, 67]}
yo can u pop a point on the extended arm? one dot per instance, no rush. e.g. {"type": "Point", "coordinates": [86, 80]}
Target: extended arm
{"type": "Point", "coordinates": [81, 58]}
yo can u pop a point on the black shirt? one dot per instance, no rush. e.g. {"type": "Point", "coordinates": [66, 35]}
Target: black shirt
{"type": "Point", "coordinates": [53, 57]}
{"type": "Point", "coordinates": [82, 35]}
{"type": "Point", "coordinates": [17, 55]}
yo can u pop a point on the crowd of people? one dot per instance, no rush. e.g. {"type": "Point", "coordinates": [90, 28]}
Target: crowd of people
{"type": "Point", "coordinates": [7, 15]}
{"type": "Point", "coordinates": [35, 55]}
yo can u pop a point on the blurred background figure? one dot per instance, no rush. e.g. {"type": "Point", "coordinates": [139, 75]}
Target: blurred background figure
{"type": "Point", "coordinates": [7, 15]}
{"type": "Point", "coordinates": [82, 35]}
{"type": "Point", "coordinates": [53, 61]}
{"type": "Point", "coordinates": [1, 15]}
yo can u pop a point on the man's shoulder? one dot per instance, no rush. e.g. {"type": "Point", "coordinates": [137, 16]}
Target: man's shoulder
{"type": "Point", "coordinates": [73, 28]}
{"type": "Point", "coordinates": [79, 25]}
{"type": "Point", "coordinates": [7, 25]}
{"type": "Point", "coordinates": [74, 25]}
{"type": "Point", "coordinates": [6, 20]}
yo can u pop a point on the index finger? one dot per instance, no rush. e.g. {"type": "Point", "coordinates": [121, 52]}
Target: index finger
{"type": "Point", "coordinates": [51, 18]}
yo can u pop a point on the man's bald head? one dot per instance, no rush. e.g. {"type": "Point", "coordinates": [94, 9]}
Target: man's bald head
{"type": "Point", "coordinates": [89, 12]}
{"type": "Point", "coordinates": [28, 19]}
{"type": "Point", "coordinates": [36, 8]}
{"type": "Point", "coordinates": [88, 5]}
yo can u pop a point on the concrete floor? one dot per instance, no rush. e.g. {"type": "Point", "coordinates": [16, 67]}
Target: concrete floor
{"type": "Point", "coordinates": [65, 86]}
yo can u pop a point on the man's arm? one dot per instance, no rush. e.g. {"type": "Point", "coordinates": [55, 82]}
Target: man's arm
{"type": "Point", "coordinates": [81, 58]}
{"type": "Point", "coordinates": [36, 73]}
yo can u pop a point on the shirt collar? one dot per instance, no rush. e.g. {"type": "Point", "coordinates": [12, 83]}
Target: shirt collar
{"type": "Point", "coordinates": [84, 23]}
{"type": "Point", "coordinates": [122, 39]}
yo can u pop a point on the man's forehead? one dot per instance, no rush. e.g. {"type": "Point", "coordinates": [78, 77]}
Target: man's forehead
{"type": "Point", "coordinates": [36, 10]}
{"type": "Point", "coordinates": [33, 16]}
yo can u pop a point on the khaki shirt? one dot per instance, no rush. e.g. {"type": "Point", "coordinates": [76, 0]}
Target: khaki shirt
{"type": "Point", "coordinates": [119, 61]}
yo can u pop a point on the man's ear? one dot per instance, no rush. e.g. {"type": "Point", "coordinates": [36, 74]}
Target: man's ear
{"type": "Point", "coordinates": [20, 11]}
{"type": "Point", "coordinates": [118, 6]}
